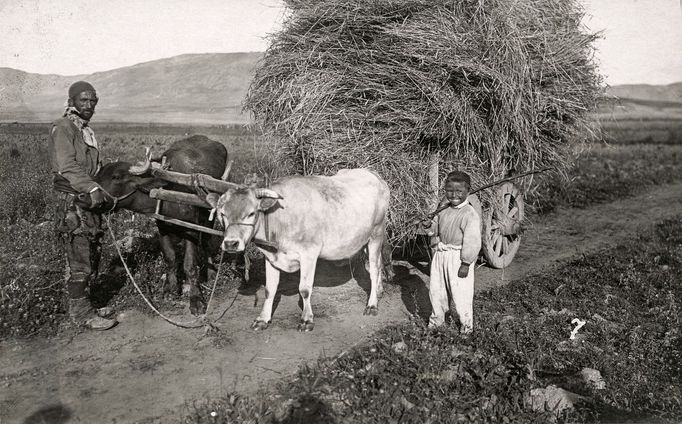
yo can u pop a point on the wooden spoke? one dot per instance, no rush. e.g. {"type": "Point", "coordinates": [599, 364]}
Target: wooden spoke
{"type": "Point", "coordinates": [506, 209]}
{"type": "Point", "coordinates": [496, 239]}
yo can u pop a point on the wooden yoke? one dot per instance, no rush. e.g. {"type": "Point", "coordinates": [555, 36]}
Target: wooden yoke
{"type": "Point", "coordinates": [195, 180]}
{"type": "Point", "coordinates": [201, 184]}
{"type": "Point", "coordinates": [198, 181]}
{"type": "Point", "coordinates": [178, 197]}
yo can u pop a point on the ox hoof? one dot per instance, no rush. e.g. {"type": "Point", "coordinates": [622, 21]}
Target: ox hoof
{"type": "Point", "coordinates": [371, 310]}
{"type": "Point", "coordinates": [259, 325]}
{"type": "Point", "coordinates": [305, 326]}
{"type": "Point", "coordinates": [197, 306]}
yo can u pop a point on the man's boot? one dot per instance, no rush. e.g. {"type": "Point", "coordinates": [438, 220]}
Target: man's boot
{"type": "Point", "coordinates": [82, 313]}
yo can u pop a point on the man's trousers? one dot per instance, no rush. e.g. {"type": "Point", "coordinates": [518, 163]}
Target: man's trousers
{"type": "Point", "coordinates": [80, 234]}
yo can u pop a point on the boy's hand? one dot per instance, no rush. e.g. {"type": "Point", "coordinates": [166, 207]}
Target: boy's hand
{"type": "Point", "coordinates": [463, 271]}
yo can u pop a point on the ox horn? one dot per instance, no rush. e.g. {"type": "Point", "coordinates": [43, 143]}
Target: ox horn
{"type": "Point", "coordinates": [143, 167]}
{"type": "Point", "coordinates": [228, 167]}
{"type": "Point", "coordinates": [266, 192]}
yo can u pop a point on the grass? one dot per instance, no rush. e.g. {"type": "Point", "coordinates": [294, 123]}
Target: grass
{"type": "Point", "coordinates": [629, 295]}
{"type": "Point", "coordinates": [643, 128]}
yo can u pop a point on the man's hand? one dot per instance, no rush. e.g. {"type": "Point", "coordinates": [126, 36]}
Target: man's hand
{"type": "Point", "coordinates": [97, 198]}
{"type": "Point", "coordinates": [463, 270]}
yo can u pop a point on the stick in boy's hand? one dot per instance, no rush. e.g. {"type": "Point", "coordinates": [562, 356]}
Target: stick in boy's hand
{"type": "Point", "coordinates": [444, 203]}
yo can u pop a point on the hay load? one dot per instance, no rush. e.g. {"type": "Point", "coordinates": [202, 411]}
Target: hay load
{"type": "Point", "coordinates": [486, 86]}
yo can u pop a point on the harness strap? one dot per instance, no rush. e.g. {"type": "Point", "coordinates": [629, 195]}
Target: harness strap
{"type": "Point", "coordinates": [116, 199]}
{"type": "Point", "coordinates": [265, 244]}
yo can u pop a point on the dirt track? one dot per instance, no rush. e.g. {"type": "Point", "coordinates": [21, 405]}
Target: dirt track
{"type": "Point", "coordinates": [145, 369]}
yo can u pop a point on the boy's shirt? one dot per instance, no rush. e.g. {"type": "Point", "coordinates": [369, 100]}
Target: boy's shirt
{"type": "Point", "coordinates": [460, 226]}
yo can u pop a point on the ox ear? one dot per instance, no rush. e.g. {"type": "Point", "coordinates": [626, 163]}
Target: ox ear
{"type": "Point", "coordinates": [212, 199]}
{"type": "Point", "coordinates": [268, 198]}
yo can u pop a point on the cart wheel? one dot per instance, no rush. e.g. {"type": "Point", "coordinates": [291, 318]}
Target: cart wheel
{"type": "Point", "coordinates": [502, 226]}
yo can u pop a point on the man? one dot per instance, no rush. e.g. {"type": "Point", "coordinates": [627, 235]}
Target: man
{"type": "Point", "coordinates": [74, 155]}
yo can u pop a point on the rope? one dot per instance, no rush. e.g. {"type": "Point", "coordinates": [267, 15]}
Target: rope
{"type": "Point", "coordinates": [198, 322]}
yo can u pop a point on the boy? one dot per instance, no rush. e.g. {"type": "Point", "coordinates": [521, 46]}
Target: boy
{"type": "Point", "coordinates": [456, 242]}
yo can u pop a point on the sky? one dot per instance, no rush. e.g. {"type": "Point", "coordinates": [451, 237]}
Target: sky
{"type": "Point", "coordinates": [642, 38]}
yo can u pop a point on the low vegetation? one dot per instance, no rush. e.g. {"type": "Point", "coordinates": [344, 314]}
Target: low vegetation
{"type": "Point", "coordinates": [603, 173]}
{"type": "Point", "coordinates": [630, 298]}
{"type": "Point", "coordinates": [639, 129]}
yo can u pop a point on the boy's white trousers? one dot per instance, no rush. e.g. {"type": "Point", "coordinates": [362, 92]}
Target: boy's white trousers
{"type": "Point", "coordinates": [444, 281]}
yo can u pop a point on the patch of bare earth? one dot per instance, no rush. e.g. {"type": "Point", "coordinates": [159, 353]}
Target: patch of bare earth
{"type": "Point", "coordinates": [145, 369]}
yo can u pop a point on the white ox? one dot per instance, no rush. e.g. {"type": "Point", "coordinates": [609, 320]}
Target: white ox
{"type": "Point", "coordinates": [306, 218]}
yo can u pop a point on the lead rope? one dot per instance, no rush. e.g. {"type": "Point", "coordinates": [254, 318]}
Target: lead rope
{"type": "Point", "coordinates": [198, 322]}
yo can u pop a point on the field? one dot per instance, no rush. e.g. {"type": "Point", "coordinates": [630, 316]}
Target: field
{"type": "Point", "coordinates": [631, 296]}
{"type": "Point", "coordinates": [633, 121]}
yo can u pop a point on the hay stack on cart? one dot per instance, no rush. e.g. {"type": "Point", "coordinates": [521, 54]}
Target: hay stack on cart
{"type": "Point", "coordinates": [415, 88]}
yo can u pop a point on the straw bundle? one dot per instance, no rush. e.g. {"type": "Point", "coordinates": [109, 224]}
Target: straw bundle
{"type": "Point", "coordinates": [488, 85]}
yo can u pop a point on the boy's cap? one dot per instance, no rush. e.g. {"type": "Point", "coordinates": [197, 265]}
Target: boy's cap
{"type": "Point", "coordinates": [460, 177]}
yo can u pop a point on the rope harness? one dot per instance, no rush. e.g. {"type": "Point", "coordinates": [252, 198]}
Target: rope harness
{"type": "Point", "coordinates": [81, 196]}
{"type": "Point", "coordinates": [199, 322]}
{"type": "Point", "coordinates": [263, 243]}
{"type": "Point", "coordinates": [260, 242]}
{"type": "Point", "coordinates": [116, 199]}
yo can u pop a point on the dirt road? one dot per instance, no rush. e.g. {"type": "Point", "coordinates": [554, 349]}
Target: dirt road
{"type": "Point", "coordinates": [145, 369]}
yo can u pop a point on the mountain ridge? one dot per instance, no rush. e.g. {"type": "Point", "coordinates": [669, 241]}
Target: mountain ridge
{"type": "Point", "coordinates": [661, 93]}
{"type": "Point", "coordinates": [208, 87]}
{"type": "Point", "coordinates": [188, 88]}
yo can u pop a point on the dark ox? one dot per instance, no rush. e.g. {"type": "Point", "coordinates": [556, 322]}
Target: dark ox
{"type": "Point", "coordinates": [308, 218]}
{"type": "Point", "coordinates": [196, 154]}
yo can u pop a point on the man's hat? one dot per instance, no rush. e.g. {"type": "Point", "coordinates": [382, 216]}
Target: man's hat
{"type": "Point", "coordinates": [79, 87]}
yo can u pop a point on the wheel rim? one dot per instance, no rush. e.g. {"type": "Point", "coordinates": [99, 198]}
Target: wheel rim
{"type": "Point", "coordinates": [502, 226]}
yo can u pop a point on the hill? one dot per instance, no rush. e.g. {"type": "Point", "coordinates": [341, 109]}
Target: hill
{"type": "Point", "coordinates": [210, 88]}
{"type": "Point", "coordinates": [659, 93]}
{"type": "Point", "coordinates": [187, 88]}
